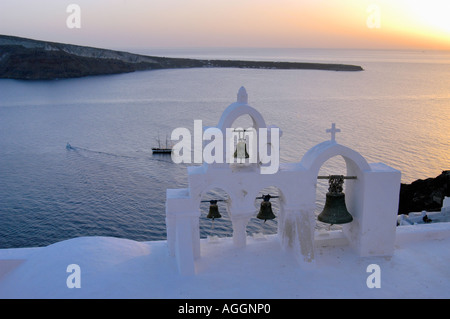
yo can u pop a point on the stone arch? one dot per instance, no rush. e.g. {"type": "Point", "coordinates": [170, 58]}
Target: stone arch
{"type": "Point", "coordinates": [318, 155]}
{"type": "Point", "coordinates": [270, 226]}
{"type": "Point", "coordinates": [224, 187]}
{"type": "Point", "coordinates": [236, 110]}
{"type": "Point", "coordinates": [239, 108]}
{"type": "Point", "coordinates": [356, 166]}
{"type": "Point", "coordinates": [258, 191]}
{"type": "Point", "coordinates": [335, 165]}
{"type": "Point", "coordinates": [263, 190]}
{"type": "Point", "coordinates": [215, 227]}
{"type": "Point", "coordinates": [231, 114]}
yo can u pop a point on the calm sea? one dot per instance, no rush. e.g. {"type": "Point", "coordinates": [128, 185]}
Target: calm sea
{"type": "Point", "coordinates": [396, 111]}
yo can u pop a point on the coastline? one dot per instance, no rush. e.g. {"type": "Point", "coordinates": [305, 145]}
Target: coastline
{"type": "Point", "coordinates": [28, 59]}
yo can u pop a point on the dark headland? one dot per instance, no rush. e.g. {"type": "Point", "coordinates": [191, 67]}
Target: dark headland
{"type": "Point", "coordinates": [424, 194]}
{"type": "Point", "coordinates": [27, 59]}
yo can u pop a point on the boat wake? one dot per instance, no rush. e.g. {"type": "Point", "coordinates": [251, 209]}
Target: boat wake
{"type": "Point", "coordinates": [76, 148]}
{"type": "Point", "coordinates": [154, 157]}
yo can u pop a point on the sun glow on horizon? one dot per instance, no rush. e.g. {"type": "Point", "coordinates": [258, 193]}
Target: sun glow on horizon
{"type": "Point", "coordinates": [425, 20]}
{"type": "Point", "coordinates": [416, 24]}
{"type": "Point", "coordinates": [432, 14]}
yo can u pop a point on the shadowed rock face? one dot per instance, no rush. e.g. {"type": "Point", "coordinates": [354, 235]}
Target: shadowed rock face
{"type": "Point", "coordinates": [29, 59]}
{"type": "Point", "coordinates": [37, 64]}
{"type": "Point", "coordinates": [427, 194]}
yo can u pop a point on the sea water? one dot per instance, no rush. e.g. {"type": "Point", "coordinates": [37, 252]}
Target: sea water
{"type": "Point", "coordinates": [108, 183]}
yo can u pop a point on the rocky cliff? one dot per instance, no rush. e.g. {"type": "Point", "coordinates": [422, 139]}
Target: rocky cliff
{"type": "Point", "coordinates": [22, 58]}
{"type": "Point", "coordinates": [427, 194]}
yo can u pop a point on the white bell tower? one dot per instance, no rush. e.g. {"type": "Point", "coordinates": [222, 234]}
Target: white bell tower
{"type": "Point", "coordinates": [371, 197]}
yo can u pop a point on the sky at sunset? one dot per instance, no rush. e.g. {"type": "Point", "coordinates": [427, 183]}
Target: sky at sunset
{"type": "Point", "coordinates": [378, 24]}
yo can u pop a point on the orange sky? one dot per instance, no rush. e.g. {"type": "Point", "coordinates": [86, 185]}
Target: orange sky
{"type": "Point", "coordinates": [387, 24]}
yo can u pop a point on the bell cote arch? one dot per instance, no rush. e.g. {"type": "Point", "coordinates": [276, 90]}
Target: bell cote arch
{"type": "Point", "coordinates": [318, 155]}
{"type": "Point", "coordinates": [238, 109]}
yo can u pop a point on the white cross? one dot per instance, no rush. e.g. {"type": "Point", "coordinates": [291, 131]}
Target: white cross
{"type": "Point", "coordinates": [333, 130]}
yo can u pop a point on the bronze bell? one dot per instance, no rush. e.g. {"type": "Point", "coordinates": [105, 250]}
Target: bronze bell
{"type": "Point", "coordinates": [213, 210]}
{"type": "Point", "coordinates": [241, 149]}
{"type": "Point", "coordinates": [335, 211]}
{"type": "Point", "coordinates": [265, 211]}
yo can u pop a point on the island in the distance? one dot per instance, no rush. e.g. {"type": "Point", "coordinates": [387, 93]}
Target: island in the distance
{"type": "Point", "coordinates": [28, 59]}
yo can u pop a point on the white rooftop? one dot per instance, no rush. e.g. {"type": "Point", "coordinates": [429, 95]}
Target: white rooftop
{"type": "Point", "coordinates": [121, 268]}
